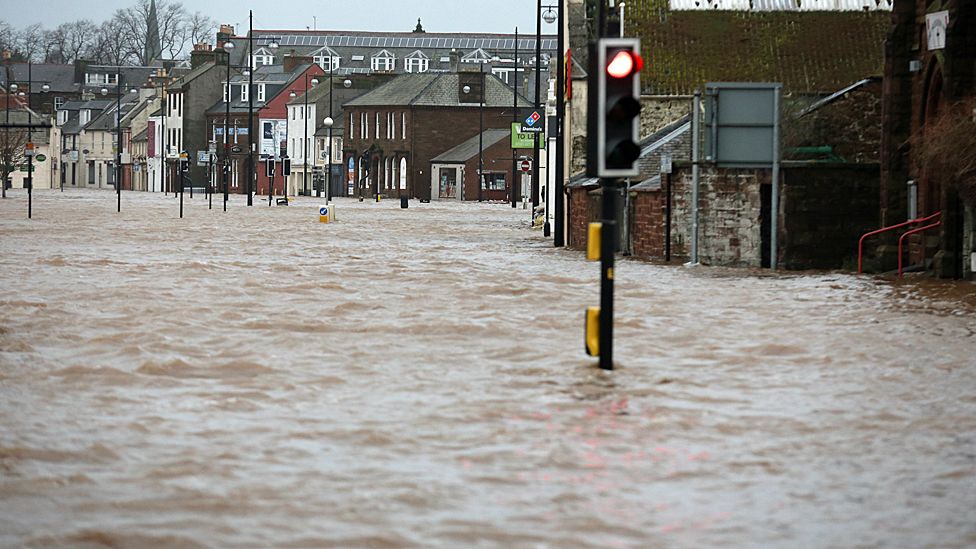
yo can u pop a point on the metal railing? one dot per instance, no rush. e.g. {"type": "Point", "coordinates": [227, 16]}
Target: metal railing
{"type": "Point", "coordinates": [901, 241]}
{"type": "Point", "coordinates": [860, 243]}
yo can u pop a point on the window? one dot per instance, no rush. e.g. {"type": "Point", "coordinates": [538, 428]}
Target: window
{"type": "Point", "coordinates": [58, 102]}
{"type": "Point", "coordinates": [416, 62]}
{"type": "Point", "coordinates": [403, 125]}
{"type": "Point", "coordinates": [262, 57]}
{"type": "Point", "coordinates": [389, 125]}
{"type": "Point", "coordinates": [383, 61]}
{"type": "Point", "coordinates": [226, 92]}
{"type": "Point", "coordinates": [363, 128]}
{"type": "Point", "coordinates": [84, 117]}
{"type": "Point", "coordinates": [352, 126]}
{"type": "Point", "coordinates": [377, 134]}
{"type": "Point", "coordinates": [495, 181]}
{"type": "Point", "coordinates": [62, 118]}
{"type": "Point", "coordinates": [244, 92]}
{"type": "Point", "coordinates": [328, 63]}
{"type": "Point", "coordinates": [261, 92]}
{"type": "Point", "coordinates": [359, 58]}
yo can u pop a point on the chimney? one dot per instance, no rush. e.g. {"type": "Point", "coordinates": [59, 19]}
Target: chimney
{"type": "Point", "coordinates": [225, 33]}
{"type": "Point", "coordinates": [81, 67]}
{"type": "Point", "coordinates": [455, 60]}
{"type": "Point", "coordinates": [201, 54]}
{"type": "Point", "coordinates": [292, 60]}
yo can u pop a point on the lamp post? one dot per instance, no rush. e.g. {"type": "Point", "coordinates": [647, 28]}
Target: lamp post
{"type": "Point", "coordinates": [328, 123]}
{"type": "Point", "coordinates": [273, 44]}
{"type": "Point", "coordinates": [549, 17]}
{"type": "Point", "coordinates": [30, 145]}
{"type": "Point", "coordinates": [481, 130]}
{"type": "Point", "coordinates": [228, 47]}
{"type": "Point", "coordinates": [118, 136]}
{"type": "Point", "coordinates": [314, 81]}
{"type": "Point", "coordinates": [559, 212]}
{"type": "Point", "coordinates": [538, 75]}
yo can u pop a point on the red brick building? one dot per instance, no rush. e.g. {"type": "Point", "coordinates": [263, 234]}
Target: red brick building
{"type": "Point", "coordinates": [930, 72]}
{"type": "Point", "coordinates": [394, 131]}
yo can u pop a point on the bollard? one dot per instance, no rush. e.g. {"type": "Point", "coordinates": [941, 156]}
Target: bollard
{"type": "Point", "coordinates": [327, 213]}
{"type": "Point", "coordinates": [404, 202]}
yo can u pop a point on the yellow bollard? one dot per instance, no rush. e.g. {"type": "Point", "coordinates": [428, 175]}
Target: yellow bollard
{"type": "Point", "coordinates": [325, 213]}
{"type": "Point", "coordinates": [591, 335]}
{"type": "Point", "coordinates": [593, 237]}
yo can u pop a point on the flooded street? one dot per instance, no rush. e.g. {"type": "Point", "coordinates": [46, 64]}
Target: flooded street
{"type": "Point", "coordinates": [416, 378]}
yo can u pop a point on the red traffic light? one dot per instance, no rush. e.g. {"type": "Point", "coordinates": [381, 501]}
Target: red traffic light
{"type": "Point", "coordinates": [624, 64]}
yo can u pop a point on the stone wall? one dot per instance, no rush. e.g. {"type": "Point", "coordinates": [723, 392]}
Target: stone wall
{"type": "Point", "coordinates": [729, 215]}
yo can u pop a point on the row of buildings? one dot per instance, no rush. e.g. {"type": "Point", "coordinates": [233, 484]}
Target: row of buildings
{"type": "Point", "coordinates": [365, 111]}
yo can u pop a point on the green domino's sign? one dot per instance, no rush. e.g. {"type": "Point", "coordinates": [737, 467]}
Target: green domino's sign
{"type": "Point", "coordinates": [522, 140]}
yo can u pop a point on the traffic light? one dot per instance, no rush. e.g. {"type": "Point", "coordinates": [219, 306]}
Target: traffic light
{"type": "Point", "coordinates": [269, 167]}
{"type": "Point", "coordinates": [613, 124]}
{"type": "Point", "coordinates": [286, 167]}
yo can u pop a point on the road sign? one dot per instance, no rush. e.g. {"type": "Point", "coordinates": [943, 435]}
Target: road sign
{"type": "Point", "coordinates": [526, 165]}
{"type": "Point", "coordinates": [40, 158]}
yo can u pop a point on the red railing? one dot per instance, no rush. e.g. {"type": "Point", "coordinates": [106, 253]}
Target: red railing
{"type": "Point", "coordinates": [901, 240]}
{"type": "Point", "coordinates": [860, 243]}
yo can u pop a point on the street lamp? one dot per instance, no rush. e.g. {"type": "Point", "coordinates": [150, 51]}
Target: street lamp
{"type": "Point", "coordinates": [228, 47]}
{"type": "Point", "coordinates": [314, 81]}
{"type": "Point", "coordinates": [328, 123]}
{"type": "Point", "coordinates": [273, 44]}
{"type": "Point", "coordinates": [550, 16]}
{"type": "Point", "coordinates": [481, 134]}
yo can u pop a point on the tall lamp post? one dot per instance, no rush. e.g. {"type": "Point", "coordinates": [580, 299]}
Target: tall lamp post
{"type": "Point", "coordinates": [273, 44]}
{"type": "Point", "coordinates": [328, 123]}
{"type": "Point", "coordinates": [559, 239]}
{"type": "Point", "coordinates": [118, 136]}
{"type": "Point", "coordinates": [538, 77]}
{"type": "Point", "coordinates": [30, 145]}
{"type": "Point", "coordinates": [314, 81]}
{"type": "Point", "coordinates": [549, 16]}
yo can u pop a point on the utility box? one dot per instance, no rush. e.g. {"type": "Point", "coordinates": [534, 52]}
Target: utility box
{"type": "Point", "coordinates": [327, 213]}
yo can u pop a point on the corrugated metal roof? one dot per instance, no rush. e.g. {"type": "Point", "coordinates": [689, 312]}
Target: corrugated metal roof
{"type": "Point", "coordinates": [781, 5]}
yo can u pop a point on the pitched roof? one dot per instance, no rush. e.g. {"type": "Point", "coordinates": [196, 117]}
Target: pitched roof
{"type": "Point", "coordinates": [805, 50]}
{"type": "Point", "coordinates": [60, 78]}
{"type": "Point", "coordinates": [469, 149]}
{"type": "Point", "coordinates": [434, 90]}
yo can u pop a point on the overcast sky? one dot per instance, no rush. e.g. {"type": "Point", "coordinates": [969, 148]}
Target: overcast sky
{"type": "Point", "coordinates": [383, 15]}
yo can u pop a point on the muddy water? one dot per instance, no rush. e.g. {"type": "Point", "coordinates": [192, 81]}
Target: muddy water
{"type": "Point", "coordinates": [416, 378]}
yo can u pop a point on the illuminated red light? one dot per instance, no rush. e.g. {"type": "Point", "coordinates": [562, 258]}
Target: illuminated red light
{"type": "Point", "coordinates": [624, 63]}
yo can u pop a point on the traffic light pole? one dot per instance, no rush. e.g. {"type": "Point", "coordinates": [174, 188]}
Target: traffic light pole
{"type": "Point", "coordinates": [608, 248]}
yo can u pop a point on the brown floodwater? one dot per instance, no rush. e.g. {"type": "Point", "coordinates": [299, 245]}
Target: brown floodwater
{"type": "Point", "coordinates": [417, 378]}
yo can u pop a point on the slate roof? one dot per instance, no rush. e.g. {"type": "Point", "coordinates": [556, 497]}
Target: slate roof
{"type": "Point", "coordinates": [273, 77]}
{"type": "Point", "coordinates": [808, 51]}
{"type": "Point", "coordinates": [434, 90]}
{"type": "Point", "coordinates": [61, 78]}
{"type": "Point", "coordinates": [470, 148]}
{"type": "Point", "coordinates": [192, 75]}
{"type": "Point", "coordinates": [106, 120]}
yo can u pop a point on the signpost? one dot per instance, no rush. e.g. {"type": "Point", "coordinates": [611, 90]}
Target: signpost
{"type": "Point", "coordinates": [525, 166]}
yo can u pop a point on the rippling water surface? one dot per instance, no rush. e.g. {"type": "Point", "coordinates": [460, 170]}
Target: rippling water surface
{"type": "Point", "coordinates": [417, 378]}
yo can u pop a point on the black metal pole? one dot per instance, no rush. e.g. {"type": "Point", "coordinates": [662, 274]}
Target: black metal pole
{"type": "Point", "coordinates": [30, 156]}
{"type": "Point", "coordinates": [182, 182]}
{"type": "Point", "coordinates": [250, 107]}
{"type": "Point", "coordinates": [230, 93]}
{"type": "Point", "coordinates": [163, 105]}
{"type": "Point", "coordinates": [559, 239]}
{"type": "Point", "coordinates": [667, 220]}
{"type": "Point", "coordinates": [210, 177]}
{"type": "Point", "coordinates": [538, 77]}
{"type": "Point", "coordinates": [328, 176]}
{"type": "Point", "coordinates": [118, 134]}
{"type": "Point", "coordinates": [608, 247]}
{"type": "Point", "coordinates": [305, 139]}
{"type": "Point", "coordinates": [481, 136]}
{"type": "Point", "coordinates": [515, 119]}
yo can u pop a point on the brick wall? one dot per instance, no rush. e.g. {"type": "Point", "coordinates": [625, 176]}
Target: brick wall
{"type": "Point", "coordinates": [647, 223]}
{"type": "Point", "coordinates": [583, 208]}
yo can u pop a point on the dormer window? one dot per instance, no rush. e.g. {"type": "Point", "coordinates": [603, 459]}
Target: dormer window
{"type": "Point", "coordinates": [244, 92]}
{"type": "Point", "coordinates": [384, 61]}
{"type": "Point", "coordinates": [477, 56]}
{"type": "Point", "coordinates": [84, 116]}
{"type": "Point", "coordinates": [261, 92]}
{"type": "Point", "coordinates": [95, 79]}
{"type": "Point", "coordinates": [416, 62]}
{"type": "Point", "coordinates": [262, 56]}
{"type": "Point", "coordinates": [327, 58]}
{"type": "Point", "coordinates": [62, 118]}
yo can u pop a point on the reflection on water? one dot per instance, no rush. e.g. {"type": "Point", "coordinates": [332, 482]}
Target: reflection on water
{"type": "Point", "coordinates": [417, 378]}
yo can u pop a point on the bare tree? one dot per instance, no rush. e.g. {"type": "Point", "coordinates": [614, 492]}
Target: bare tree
{"type": "Point", "coordinates": [70, 41]}
{"type": "Point", "coordinates": [176, 27]}
{"type": "Point", "coordinates": [201, 28]}
{"type": "Point", "coordinates": [31, 42]}
{"type": "Point", "coordinates": [111, 45]}
{"type": "Point", "coordinates": [12, 143]}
